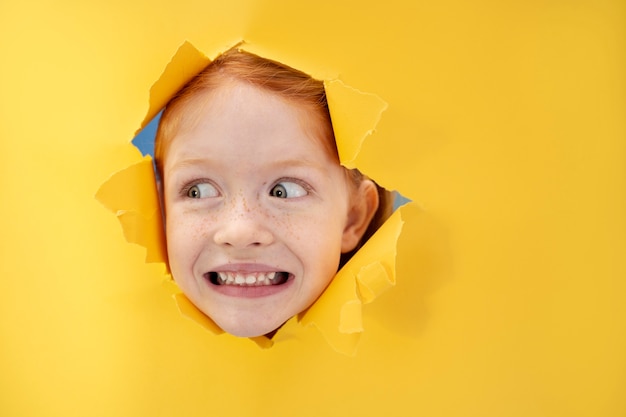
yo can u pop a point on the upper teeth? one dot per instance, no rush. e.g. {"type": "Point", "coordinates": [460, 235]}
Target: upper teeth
{"type": "Point", "coordinates": [256, 278]}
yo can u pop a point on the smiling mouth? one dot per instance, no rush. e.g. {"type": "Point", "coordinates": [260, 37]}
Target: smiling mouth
{"type": "Point", "coordinates": [255, 279]}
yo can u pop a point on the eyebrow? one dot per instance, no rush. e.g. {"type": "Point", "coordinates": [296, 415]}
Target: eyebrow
{"type": "Point", "coordinates": [287, 163]}
{"type": "Point", "coordinates": [191, 162]}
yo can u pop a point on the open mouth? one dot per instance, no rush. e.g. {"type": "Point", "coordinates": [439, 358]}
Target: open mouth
{"type": "Point", "coordinates": [254, 279]}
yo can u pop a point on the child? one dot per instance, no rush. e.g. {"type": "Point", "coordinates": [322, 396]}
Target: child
{"type": "Point", "coordinates": [259, 213]}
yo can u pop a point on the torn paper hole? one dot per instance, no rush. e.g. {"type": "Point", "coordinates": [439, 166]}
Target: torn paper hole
{"type": "Point", "coordinates": [371, 271]}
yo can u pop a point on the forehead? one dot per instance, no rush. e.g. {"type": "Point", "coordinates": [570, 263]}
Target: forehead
{"type": "Point", "coordinates": [233, 101]}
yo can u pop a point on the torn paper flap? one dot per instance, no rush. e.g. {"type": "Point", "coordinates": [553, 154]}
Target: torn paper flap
{"type": "Point", "coordinates": [186, 63]}
{"type": "Point", "coordinates": [374, 279]}
{"type": "Point", "coordinates": [133, 196]}
{"type": "Point", "coordinates": [354, 115]}
{"type": "Point", "coordinates": [369, 273]}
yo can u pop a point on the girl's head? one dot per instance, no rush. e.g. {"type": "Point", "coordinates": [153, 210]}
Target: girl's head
{"type": "Point", "coordinates": [258, 210]}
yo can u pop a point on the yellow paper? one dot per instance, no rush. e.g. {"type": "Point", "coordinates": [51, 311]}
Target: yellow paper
{"type": "Point", "coordinates": [186, 63]}
{"type": "Point", "coordinates": [354, 115]}
{"type": "Point", "coordinates": [505, 126]}
{"type": "Point", "coordinates": [132, 195]}
{"type": "Point", "coordinates": [366, 276]}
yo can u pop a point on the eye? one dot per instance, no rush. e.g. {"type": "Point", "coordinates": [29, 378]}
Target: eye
{"type": "Point", "coordinates": [288, 189]}
{"type": "Point", "coordinates": [203, 190]}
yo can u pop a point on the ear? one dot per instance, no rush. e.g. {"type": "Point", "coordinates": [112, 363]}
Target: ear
{"type": "Point", "coordinates": [363, 206]}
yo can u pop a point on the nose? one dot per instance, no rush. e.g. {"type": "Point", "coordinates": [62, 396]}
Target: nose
{"type": "Point", "coordinates": [243, 226]}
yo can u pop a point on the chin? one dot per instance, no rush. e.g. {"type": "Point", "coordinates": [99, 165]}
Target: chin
{"type": "Point", "coordinates": [248, 330]}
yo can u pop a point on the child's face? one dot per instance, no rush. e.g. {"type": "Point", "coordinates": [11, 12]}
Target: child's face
{"type": "Point", "coordinates": [256, 210]}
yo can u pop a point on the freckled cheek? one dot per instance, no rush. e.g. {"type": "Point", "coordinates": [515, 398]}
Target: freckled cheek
{"type": "Point", "coordinates": [202, 226]}
{"type": "Point", "coordinates": [281, 224]}
{"type": "Point", "coordinates": [187, 232]}
{"type": "Point", "coordinates": [308, 231]}
{"type": "Point", "coordinates": [305, 226]}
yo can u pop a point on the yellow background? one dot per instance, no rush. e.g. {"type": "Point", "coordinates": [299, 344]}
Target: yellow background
{"type": "Point", "coordinates": [506, 126]}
